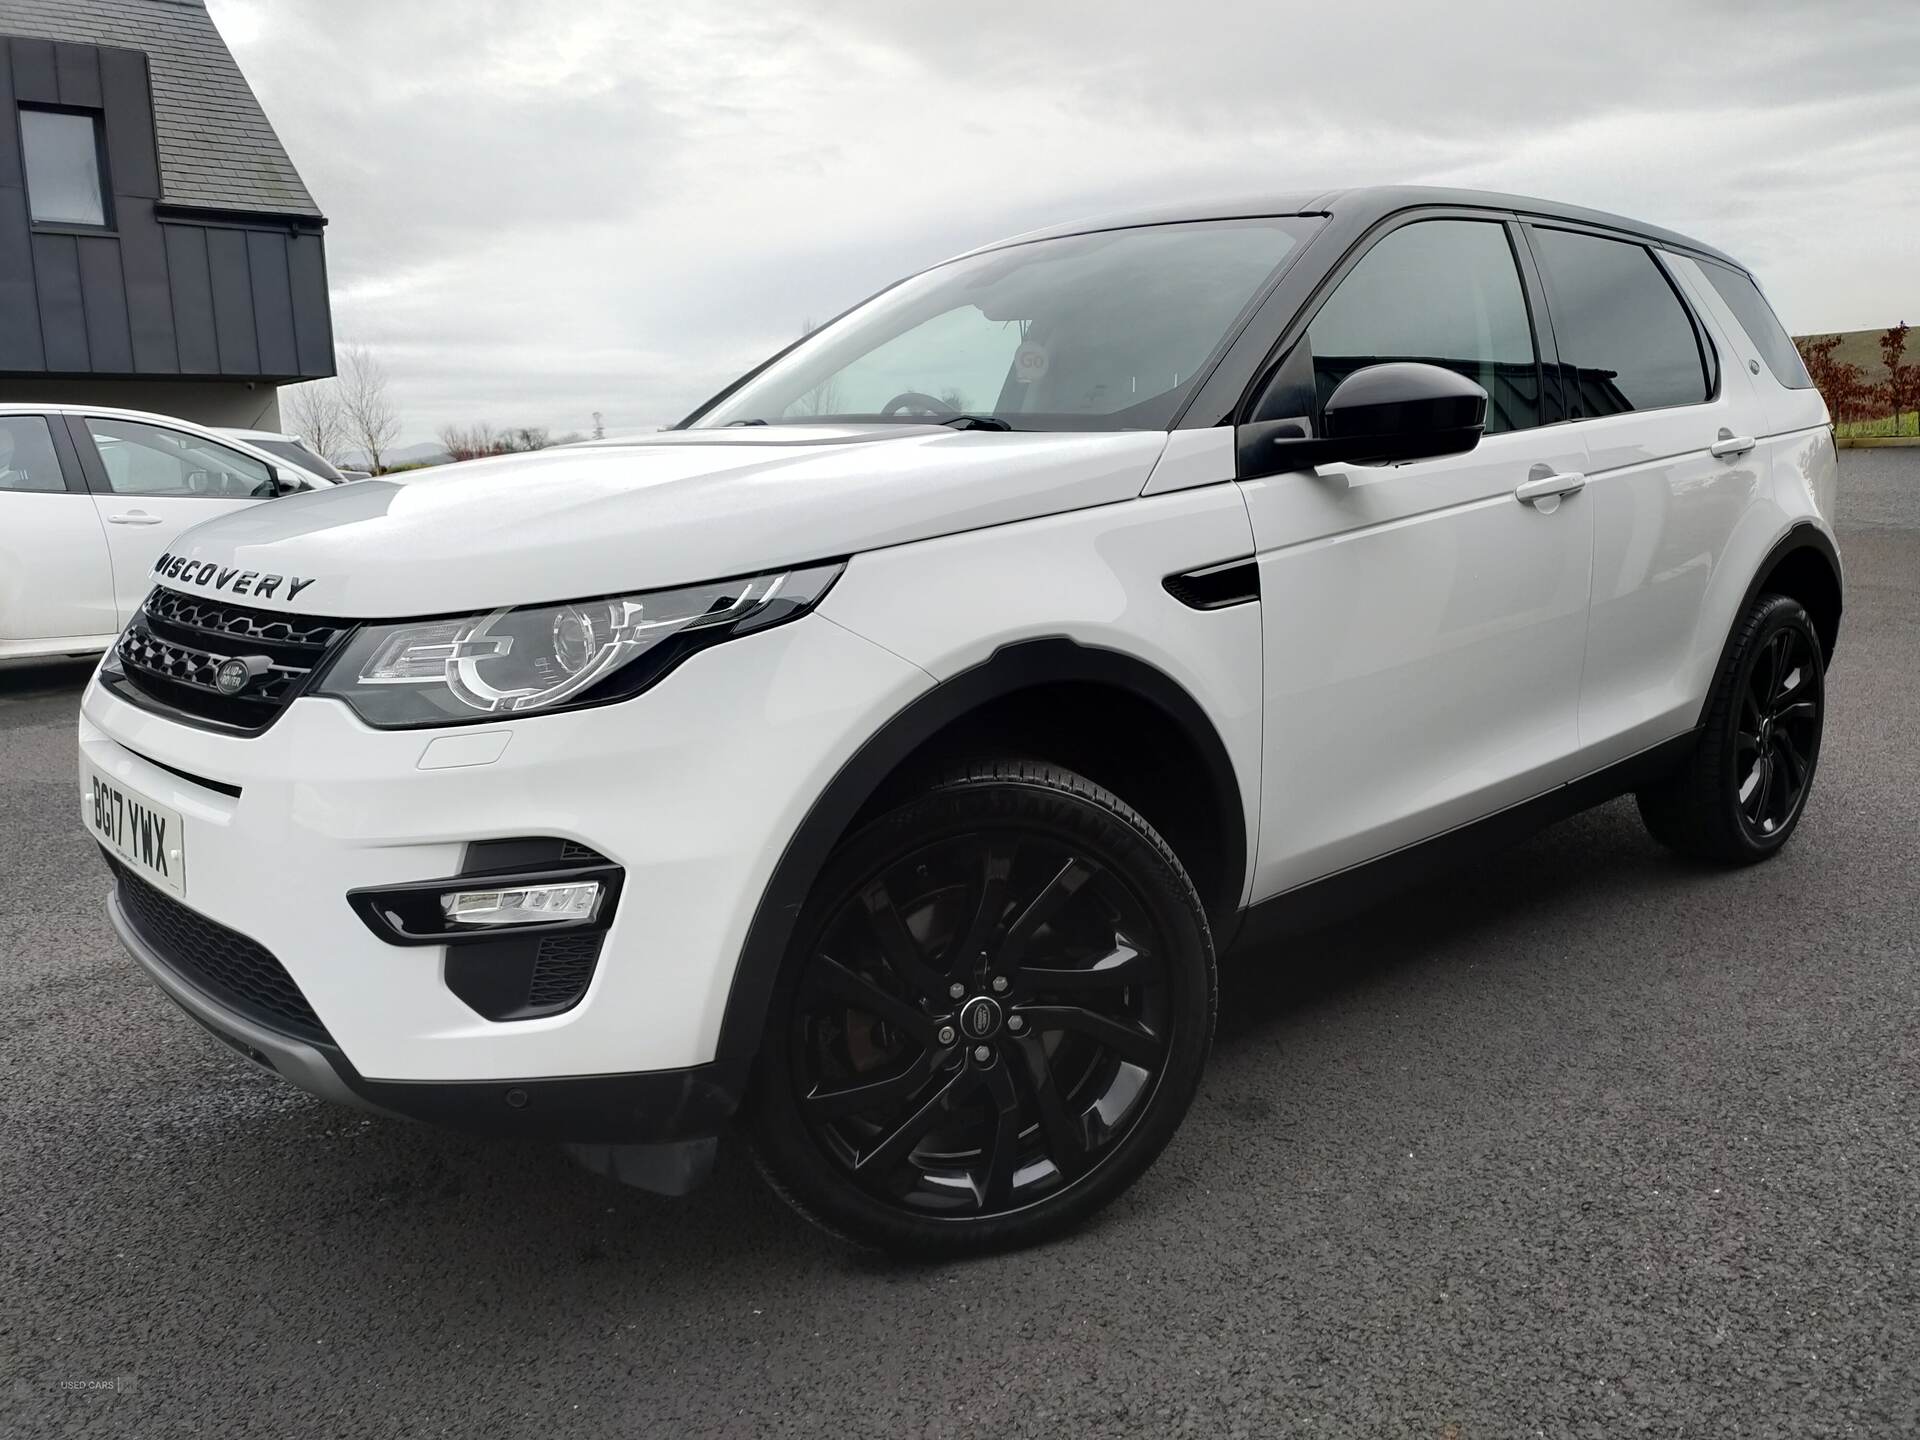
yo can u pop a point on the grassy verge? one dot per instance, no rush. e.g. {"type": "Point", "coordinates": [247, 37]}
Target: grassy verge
{"type": "Point", "coordinates": [1909, 424]}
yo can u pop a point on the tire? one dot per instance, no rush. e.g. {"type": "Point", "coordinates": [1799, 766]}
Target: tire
{"type": "Point", "coordinates": [1740, 795]}
{"type": "Point", "coordinates": [903, 1118]}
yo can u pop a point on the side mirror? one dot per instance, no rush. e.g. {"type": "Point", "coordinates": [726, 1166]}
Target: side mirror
{"type": "Point", "coordinates": [278, 483]}
{"type": "Point", "coordinates": [1383, 414]}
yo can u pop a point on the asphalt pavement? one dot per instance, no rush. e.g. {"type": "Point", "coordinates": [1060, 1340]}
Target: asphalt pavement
{"type": "Point", "coordinates": [1586, 1141]}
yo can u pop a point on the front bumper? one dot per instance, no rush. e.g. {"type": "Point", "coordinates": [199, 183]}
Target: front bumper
{"type": "Point", "coordinates": [692, 788]}
{"type": "Point", "coordinates": [652, 1106]}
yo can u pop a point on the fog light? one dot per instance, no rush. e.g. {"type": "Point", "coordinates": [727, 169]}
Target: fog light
{"type": "Point", "coordinates": [523, 904]}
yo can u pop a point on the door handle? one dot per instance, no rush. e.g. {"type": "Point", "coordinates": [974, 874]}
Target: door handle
{"type": "Point", "coordinates": [1550, 486]}
{"type": "Point", "coordinates": [133, 517]}
{"type": "Point", "coordinates": [1730, 445]}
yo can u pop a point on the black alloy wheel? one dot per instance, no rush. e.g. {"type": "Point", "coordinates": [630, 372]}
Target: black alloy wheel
{"type": "Point", "coordinates": [1779, 732]}
{"type": "Point", "coordinates": [991, 1022]}
{"type": "Point", "coordinates": [1741, 794]}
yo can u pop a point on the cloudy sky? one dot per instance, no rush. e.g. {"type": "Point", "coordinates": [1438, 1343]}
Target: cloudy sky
{"type": "Point", "coordinates": [541, 210]}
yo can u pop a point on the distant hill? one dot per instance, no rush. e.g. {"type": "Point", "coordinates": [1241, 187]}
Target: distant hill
{"type": "Point", "coordinates": [426, 453]}
{"type": "Point", "coordinates": [1862, 348]}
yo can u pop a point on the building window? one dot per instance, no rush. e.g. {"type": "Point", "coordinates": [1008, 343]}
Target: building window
{"type": "Point", "coordinates": [62, 150]}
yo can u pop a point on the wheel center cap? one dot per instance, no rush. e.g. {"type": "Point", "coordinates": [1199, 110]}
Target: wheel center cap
{"type": "Point", "coordinates": [980, 1017]}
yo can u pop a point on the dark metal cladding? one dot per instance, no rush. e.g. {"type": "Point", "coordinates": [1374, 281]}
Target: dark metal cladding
{"type": "Point", "coordinates": [209, 263]}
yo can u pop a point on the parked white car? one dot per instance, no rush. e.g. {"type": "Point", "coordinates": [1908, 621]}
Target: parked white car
{"type": "Point", "coordinates": [90, 497]}
{"type": "Point", "coordinates": [296, 452]}
{"type": "Point", "coordinates": [883, 756]}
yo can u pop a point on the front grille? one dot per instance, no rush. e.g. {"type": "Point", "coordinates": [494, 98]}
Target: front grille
{"type": "Point", "coordinates": [234, 970]}
{"type": "Point", "coordinates": [177, 643]}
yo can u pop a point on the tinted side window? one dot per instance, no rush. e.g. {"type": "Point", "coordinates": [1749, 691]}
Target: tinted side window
{"type": "Point", "coordinates": [1626, 342]}
{"type": "Point", "coordinates": [27, 461]}
{"type": "Point", "coordinates": [1763, 328]}
{"type": "Point", "coordinates": [1441, 291]}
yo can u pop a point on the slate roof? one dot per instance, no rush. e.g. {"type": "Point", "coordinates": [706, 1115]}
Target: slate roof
{"type": "Point", "coordinates": [217, 148]}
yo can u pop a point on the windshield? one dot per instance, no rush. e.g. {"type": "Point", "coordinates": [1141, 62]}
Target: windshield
{"type": "Point", "coordinates": [1107, 331]}
{"type": "Point", "coordinates": [299, 454]}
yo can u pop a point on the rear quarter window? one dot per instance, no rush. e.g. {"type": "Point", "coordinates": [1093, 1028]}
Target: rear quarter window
{"type": "Point", "coordinates": [1626, 340]}
{"type": "Point", "coordinates": [1763, 327]}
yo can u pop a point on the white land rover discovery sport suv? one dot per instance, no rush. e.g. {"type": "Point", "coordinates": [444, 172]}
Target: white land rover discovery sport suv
{"type": "Point", "coordinates": [881, 758]}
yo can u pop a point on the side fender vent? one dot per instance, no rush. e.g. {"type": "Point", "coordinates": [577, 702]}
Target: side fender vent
{"type": "Point", "coordinates": [1232, 582]}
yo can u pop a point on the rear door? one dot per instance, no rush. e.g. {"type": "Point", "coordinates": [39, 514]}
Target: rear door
{"type": "Point", "coordinates": [55, 582]}
{"type": "Point", "coordinates": [1674, 466]}
{"type": "Point", "coordinates": [150, 482]}
{"type": "Point", "coordinates": [1422, 624]}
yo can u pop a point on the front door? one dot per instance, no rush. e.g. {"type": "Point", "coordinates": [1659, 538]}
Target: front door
{"type": "Point", "coordinates": [150, 483]}
{"type": "Point", "coordinates": [1423, 625]}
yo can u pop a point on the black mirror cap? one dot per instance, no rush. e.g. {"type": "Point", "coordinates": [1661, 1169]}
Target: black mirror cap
{"type": "Point", "coordinates": [1404, 410]}
{"type": "Point", "coordinates": [1397, 411]}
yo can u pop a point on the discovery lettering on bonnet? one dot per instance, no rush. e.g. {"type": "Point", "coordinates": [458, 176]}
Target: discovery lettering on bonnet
{"type": "Point", "coordinates": [223, 577]}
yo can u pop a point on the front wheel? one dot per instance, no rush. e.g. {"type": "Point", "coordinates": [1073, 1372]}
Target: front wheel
{"type": "Point", "coordinates": [1742, 791]}
{"type": "Point", "coordinates": [993, 1016]}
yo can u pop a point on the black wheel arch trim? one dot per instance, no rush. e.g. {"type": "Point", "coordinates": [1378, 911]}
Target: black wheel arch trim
{"type": "Point", "coordinates": [1802, 536]}
{"type": "Point", "coordinates": [1022, 665]}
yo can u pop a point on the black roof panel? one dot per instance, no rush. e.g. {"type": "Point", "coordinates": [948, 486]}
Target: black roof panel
{"type": "Point", "coordinates": [1366, 204]}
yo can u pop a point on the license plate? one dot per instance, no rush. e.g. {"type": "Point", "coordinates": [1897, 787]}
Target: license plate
{"type": "Point", "coordinates": [149, 837]}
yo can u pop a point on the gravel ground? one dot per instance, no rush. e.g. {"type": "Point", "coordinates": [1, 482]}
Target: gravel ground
{"type": "Point", "coordinates": [1588, 1142]}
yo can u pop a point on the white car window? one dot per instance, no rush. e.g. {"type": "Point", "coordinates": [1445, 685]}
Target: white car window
{"type": "Point", "coordinates": [27, 461]}
{"type": "Point", "coordinates": [145, 459]}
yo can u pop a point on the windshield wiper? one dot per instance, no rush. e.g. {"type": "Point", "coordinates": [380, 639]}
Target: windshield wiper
{"type": "Point", "coordinates": [975, 422]}
{"type": "Point", "coordinates": [732, 423]}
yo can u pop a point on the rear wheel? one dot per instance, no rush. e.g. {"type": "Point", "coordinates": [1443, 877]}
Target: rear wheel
{"type": "Point", "coordinates": [1743, 790]}
{"type": "Point", "coordinates": [993, 1017]}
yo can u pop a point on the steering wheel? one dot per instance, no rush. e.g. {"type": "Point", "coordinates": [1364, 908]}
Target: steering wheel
{"type": "Point", "coordinates": [917, 401]}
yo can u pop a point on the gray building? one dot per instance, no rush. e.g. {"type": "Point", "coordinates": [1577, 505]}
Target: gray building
{"type": "Point", "coordinates": [158, 250]}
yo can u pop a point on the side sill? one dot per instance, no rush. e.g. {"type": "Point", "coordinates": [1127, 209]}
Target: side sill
{"type": "Point", "coordinates": [1349, 892]}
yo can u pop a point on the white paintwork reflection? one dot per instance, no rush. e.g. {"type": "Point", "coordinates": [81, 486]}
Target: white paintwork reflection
{"type": "Point", "coordinates": [1094, 577]}
{"type": "Point", "coordinates": [671, 509]}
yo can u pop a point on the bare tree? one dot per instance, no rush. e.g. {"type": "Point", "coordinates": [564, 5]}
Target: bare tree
{"type": "Point", "coordinates": [599, 427]}
{"type": "Point", "coordinates": [371, 420]}
{"type": "Point", "coordinates": [470, 442]}
{"type": "Point", "coordinates": [314, 412]}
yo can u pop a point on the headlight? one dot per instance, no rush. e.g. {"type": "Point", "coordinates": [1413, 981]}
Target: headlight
{"type": "Point", "coordinates": [552, 657]}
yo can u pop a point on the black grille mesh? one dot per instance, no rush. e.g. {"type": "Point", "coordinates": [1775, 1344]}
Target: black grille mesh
{"type": "Point", "coordinates": [234, 970]}
{"type": "Point", "coordinates": [561, 971]}
{"type": "Point", "coordinates": [177, 643]}
{"type": "Point", "coordinates": [215, 617]}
